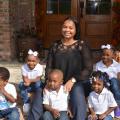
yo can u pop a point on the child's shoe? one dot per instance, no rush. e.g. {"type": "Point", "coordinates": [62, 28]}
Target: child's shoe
{"type": "Point", "coordinates": [26, 107]}
{"type": "Point", "coordinates": [117, 112]}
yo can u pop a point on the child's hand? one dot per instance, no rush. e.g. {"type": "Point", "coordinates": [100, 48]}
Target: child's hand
{"type": "Point", "coordinates": [55, 113]}
{"type": "Point", "coordinates": [70, 114]}
{"type": "Point", "coordinates": [102, 116]}
{"type": "Point", "coordinates": [27, 83]}
{"type": "Point", "coordinates": [93, 117]}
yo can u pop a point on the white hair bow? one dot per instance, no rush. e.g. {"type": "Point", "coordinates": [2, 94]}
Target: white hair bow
{"type": "Point", "coordinates": [30, 52]}
{"type": "Point", "coordinates": [106, 46]}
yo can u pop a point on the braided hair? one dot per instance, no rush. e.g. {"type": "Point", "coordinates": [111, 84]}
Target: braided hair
{"type": "Point", "coordinates": [103, 76]}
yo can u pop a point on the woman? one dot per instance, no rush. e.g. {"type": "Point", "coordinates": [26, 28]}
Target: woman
{"type": "Point", "coordinates": [73, 57]}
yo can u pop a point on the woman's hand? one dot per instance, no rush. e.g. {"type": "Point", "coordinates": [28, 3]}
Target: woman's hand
{"type": "Point", "coordinates": [68, 86]}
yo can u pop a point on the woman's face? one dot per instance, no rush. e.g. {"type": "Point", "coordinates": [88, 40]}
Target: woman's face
{"type": "Point", "coordinates": [68, 29]}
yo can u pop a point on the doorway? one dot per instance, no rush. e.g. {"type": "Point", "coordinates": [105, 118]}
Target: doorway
{"type": "Point", "coordinates": [94, 15]}
{"type": "Point", "coordinates": [95, 22]}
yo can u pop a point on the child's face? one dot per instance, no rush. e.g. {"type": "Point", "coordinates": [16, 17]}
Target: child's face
{"type": "Point", "coordinates": [107, 55]}
{"type": "Point", "coordinates": [55, 81]}
{"type": "Point", "coordinates": [32, 61]}
{"type": "Point", "coordinates": [117, 56]}
{"type": "Point", "coordinates": [97, 86]}
{"type": "Point", "coordinates": [3, 82]}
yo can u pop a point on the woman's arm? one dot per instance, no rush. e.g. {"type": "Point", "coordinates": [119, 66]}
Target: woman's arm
{"type": "Point", "coordinates": [86, 62]}
{"type": "Point", "coordinates": [49, 64]}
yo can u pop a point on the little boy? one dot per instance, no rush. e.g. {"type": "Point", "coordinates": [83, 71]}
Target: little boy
{"type": "Point", "coordinates": [55, 99]}
{"type": "Point", "coordinates": [8, 96]}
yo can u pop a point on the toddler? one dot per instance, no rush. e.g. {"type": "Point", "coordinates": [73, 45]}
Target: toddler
{"type": "Point", "coordinates": [55, 99]}
{"type": "Point", "coordinates": [31, 74]}
{"type": "Point", "coordinates": [8, 97]}
{"type": "Point", "coordinates": [101, 101]}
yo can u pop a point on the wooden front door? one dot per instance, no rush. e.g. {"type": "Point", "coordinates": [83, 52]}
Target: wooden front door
{"type": "Point", "coordinates": [50, 16]}
{"type": "Point", "coordinates": [94, 16]}
{"type": "Point", "coordinates": [95, 22]}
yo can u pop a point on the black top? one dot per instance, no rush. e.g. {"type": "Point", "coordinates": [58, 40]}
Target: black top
{"type": "Point", "coordinates": [74, 60]}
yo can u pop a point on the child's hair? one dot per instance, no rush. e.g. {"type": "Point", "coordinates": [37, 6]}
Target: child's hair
{"type": "Point", "coordinates": [103, 76]}
{"type": "Point", "coordinates": [56, 71]}
{"type": "Point", "coordinates": [4, 73]}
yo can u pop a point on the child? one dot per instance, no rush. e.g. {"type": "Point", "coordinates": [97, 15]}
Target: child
{"type": "Point", "coordinates": [31, 74]}
{"type": "Point", "coordinates": [55, 99]}
{"type": "Point", "coordinates": [101, 102]}
{"type": "Point", "coordinates": [8, 97]}
{"type": "Point", "coordinates": [117, 55]}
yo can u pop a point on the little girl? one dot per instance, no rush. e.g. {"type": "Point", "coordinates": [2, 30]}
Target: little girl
{"type": "Point", "coordinates": [31, 74]}
{"type": "Point", "coordinates": [101, 102]}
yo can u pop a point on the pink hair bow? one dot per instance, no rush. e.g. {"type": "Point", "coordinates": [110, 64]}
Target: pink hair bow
{"type": "Point", "coordinates": [30, 52]}
{"type": "Point", "coordinates": [106, 46]}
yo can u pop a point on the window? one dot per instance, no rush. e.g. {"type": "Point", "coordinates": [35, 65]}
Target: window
{"type": "Point", "coordinates": [58, 6]}
{"type": "Point", "coordinates": [100, 7]}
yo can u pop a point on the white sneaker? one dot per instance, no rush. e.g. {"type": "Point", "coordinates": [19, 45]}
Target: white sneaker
{"type": "Point", "coordinates": [26, 108]}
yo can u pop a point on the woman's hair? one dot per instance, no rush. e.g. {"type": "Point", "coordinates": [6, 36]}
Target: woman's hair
{"type": "Point", "coordinates": [77, 26]}
{"type": "Point", "coordinates": [4, 73]}
{"type": "Point", "coordinates": [102, 76]}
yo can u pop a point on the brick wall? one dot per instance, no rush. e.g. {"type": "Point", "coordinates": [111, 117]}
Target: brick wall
{"type": "Point", "coordinates": [5, 32]}
{"type": "Point", "coordinates": [14, 15]}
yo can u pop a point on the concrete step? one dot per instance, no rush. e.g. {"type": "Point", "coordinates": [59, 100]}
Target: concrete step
{"type": "Point", "coordinates": [15, 70]}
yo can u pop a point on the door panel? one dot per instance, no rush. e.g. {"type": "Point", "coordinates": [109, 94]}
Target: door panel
{"type": "Point", "coordinates": [53, 30]}
{"type": "Point", "coordinates": [98, 28]}
{"type": "Point", "coordinates": [95, 22]}
{"type": "Point", "coordinates": [56, 12]}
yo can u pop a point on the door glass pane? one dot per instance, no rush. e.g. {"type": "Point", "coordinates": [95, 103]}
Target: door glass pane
{"type": "Point", "coordinates": [52, 6]}
{"type": "Point", "coordinates": [64, 6]}
{"type": "Point", "coordinates": [100, 7]}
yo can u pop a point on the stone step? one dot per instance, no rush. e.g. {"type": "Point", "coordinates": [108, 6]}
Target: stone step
{"type": "Point", "coordinates": [15, 71]}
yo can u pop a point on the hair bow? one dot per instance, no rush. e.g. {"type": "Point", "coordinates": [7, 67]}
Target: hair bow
{"type": "Point", "coordinates": [106, 46]}
{"type": "Point", "coordinates": [30, 52]}
{"type": "Point", "coordinates": [92, 79]}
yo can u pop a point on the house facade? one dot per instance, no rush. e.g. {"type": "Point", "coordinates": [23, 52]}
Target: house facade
{"type": "Point", "coordinates": [18, 17]}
